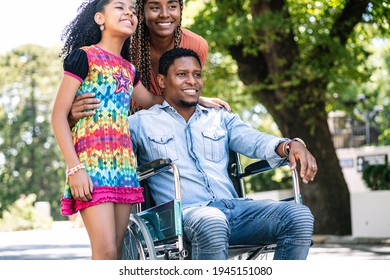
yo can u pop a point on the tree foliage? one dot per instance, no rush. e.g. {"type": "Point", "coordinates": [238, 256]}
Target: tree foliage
{"type": "Point", "coordinates": [22, 215]}
{"type": "Point", "coordinates": [298, 59]}
{"type": "Point", "coordinates": [377, 177]}
{"type": "Point", "coordinates": [30, 161]}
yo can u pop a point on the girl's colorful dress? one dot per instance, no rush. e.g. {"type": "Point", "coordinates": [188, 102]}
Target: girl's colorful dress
{"type": "Point", "coordinates": [102, 141]}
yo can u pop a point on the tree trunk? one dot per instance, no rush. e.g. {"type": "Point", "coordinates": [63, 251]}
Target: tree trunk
{"type": "Point", "coordinates": [300, 112]}
{"type": "Point", "coordinates": [327, 196]}
{"type": "Point", "coordinates": [298, 108]}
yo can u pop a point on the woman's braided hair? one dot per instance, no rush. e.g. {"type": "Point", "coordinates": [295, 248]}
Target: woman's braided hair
{"type": "Point", "coordinates": [140, 43]}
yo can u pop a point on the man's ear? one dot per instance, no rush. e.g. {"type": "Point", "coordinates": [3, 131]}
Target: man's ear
{"type": "Point", "coordinates": [161, 81]}
{"type": "Point", "coordinates": [99, 18]}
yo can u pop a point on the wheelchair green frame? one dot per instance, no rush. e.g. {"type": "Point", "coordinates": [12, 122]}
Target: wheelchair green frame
{"type": "Point", "coordinates": [156, 233]}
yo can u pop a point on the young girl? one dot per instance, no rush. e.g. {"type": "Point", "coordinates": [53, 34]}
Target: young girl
{"type": "Point", "coordinates": [101, 178]}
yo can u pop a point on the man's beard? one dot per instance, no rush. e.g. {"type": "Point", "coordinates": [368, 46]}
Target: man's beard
{"type": "Point", "coordinates": [188, 104]}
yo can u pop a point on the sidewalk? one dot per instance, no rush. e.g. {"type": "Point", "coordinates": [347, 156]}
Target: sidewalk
{"type": "Point", "coordinates": [65, 242]}
{"type": "Point", "coordinates": [330, 247]}
{"type": "Point", "coordinates": [333, 239]}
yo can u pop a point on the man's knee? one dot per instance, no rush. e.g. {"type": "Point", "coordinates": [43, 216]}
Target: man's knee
{"type": "Point", "coordinates": [301, 220]}
{"type": "Point", "coordinates": [207, 226]}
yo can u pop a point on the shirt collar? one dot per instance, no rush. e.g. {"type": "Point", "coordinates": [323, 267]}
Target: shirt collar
{"type": "Point", "coordinates": [198, 110]}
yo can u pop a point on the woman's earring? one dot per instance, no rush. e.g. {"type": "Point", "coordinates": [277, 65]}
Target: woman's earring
{"type": "Point", "coordinates": [102, 27]}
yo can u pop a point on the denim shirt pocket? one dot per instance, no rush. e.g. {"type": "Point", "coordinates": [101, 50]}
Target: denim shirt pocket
{"type": "Point", "coordinates": [214, 144]}
{"type": "Point", "coordinates": [163, 146]}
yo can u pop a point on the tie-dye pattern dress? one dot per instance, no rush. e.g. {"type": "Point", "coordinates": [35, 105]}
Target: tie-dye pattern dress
{"type": "Point", "coordinates": [102, 141]}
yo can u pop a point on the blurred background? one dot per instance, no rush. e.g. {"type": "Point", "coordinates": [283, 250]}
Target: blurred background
{"type": "Point", "coordinates": [318, 70]}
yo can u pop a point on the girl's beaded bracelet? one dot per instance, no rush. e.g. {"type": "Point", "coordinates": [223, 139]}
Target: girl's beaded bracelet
{"type": "Point", "coordinates": [73, 170]}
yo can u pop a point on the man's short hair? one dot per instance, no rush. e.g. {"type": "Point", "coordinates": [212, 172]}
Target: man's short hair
{"type": "Point", "coordinates": [169, 57]}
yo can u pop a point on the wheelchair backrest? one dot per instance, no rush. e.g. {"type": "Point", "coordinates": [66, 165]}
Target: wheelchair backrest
{"type": "Point", "coordinates": [234, 169]}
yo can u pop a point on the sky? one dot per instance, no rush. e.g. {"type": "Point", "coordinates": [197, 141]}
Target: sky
{"type": "Point", "coordinates": [34, 21]}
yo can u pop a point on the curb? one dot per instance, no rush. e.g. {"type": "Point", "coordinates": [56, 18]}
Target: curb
{"type": "Point", "coordinates": [348, 239]}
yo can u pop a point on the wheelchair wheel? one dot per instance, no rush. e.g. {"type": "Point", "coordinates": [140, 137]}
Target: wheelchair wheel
{"type": "Point", "coordinates": [138, 243]}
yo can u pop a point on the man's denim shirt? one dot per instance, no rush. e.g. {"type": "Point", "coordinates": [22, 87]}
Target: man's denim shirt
{"type": "Point", "coordinates": [199, 148]}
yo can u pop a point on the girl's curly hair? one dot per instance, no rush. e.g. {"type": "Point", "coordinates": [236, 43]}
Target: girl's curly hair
{"type": "Point", "coordinates": [84, 31]}
{"type": "Point", "coordinates": [140, 43]}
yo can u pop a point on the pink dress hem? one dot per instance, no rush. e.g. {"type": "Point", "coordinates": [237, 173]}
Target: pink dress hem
{"type": "Point", "coordinates": [70, 206]}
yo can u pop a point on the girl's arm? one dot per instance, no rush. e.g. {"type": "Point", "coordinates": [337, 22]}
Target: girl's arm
{"type": "Point", "coordinates": [144, 98]}
{"type": "Point", "coordinates": [81, 184]}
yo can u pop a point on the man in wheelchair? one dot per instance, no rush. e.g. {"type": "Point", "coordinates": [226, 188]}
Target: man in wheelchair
{"type": "Point", "coordinates": [198, 141]}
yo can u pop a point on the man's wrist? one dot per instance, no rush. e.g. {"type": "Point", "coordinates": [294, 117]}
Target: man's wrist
{"type": "Point", "coordinates": [300, 141]}
{"type": "Point", "coordinates": [287, 145]}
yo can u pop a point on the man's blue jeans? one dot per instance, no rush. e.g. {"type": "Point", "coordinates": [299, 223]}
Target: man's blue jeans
{"type": "Point", "coordinates": [212, 228]}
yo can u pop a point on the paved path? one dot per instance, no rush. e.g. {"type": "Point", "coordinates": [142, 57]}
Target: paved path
{"type": "Point", "coordinates": [61, 243]}
{"type": "Point", "coordinates": [66, 243]}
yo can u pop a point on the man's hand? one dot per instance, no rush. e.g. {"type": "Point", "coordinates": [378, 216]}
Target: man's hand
{"type": "Point", "coordinates": [308, 164]}
{"type": "Point", "coordinates": [83, 105]}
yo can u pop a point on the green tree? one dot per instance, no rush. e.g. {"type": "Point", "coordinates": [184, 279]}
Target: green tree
{"type": "Point", "coordinates": [292, 56]}
{"type": "Point", "coordinates": [30, 161]}
{"type": "Point", "coordinates": [369, 101]}
{"type": "Point", "coordinates": [377, 92]}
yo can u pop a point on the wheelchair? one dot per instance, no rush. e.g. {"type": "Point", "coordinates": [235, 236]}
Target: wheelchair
{"type": "Point", "coordinates": [155, 232]}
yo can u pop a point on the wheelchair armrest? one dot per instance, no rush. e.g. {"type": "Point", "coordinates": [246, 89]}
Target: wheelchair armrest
{"type": "Point", "coordinates": [154, 167]}
{"type": "Point", "coordinates": [263, 165]}
{"type": "Point", "coordinates": [257, 167]}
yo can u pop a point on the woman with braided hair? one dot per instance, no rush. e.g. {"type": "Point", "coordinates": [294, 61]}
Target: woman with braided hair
{"type": "Point", "coordinates": [158, 31]}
